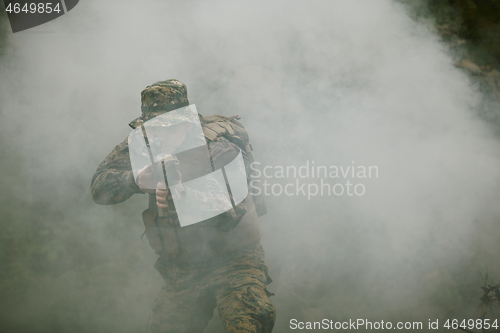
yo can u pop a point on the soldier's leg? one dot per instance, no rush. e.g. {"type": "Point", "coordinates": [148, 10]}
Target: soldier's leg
{"type": "Point", "coordinates": [244, 304]}
{"type": "Point", "coordinates": [184, 311]}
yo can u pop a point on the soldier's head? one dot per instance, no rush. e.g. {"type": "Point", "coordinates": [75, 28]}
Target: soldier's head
{"type": "Point", "coordinates": [161, 97]}
{"type": "Point", "coordinates": [168, 120]}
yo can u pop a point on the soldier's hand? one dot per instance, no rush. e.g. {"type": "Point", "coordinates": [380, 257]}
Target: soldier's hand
{"type": "Point", "coordinates": [161, 196]}
{"type": "Point", "coordinates": [146, 180]}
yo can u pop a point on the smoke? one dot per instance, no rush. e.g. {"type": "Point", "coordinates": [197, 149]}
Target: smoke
{"type": "Point", "coordinates": [340, 83]}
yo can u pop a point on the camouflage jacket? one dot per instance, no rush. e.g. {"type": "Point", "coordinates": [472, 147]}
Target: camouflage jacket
{"type": "Point", "coordinates": [113, 181]}
{"type": "Point", "coordinates": [215, 238]}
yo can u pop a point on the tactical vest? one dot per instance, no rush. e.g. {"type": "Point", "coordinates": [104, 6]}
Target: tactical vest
{"type": "Point", "coordinates": [216, 238]}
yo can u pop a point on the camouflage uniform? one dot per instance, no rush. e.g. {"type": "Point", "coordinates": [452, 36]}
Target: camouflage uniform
{"type": "Point", "coordinates": [224, 268]}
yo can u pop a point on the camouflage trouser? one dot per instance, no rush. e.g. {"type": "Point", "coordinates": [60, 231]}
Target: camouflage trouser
{"type": "Point", "coordinates": [186, 302]}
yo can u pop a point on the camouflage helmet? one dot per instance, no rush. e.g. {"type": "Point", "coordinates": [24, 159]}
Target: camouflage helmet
{"type": "Point", "coordinates": [161, 97]}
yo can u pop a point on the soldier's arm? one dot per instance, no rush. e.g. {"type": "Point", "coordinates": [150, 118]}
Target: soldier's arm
{"type": "Point", "coordinates": [113, 181]}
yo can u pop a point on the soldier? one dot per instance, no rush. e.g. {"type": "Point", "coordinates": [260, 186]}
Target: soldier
{"type": "Point", "coordinates": [215, 263]}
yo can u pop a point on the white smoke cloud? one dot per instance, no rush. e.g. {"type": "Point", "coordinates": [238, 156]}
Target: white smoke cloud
{"type": "Point", "coordinates": [331, 82]}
